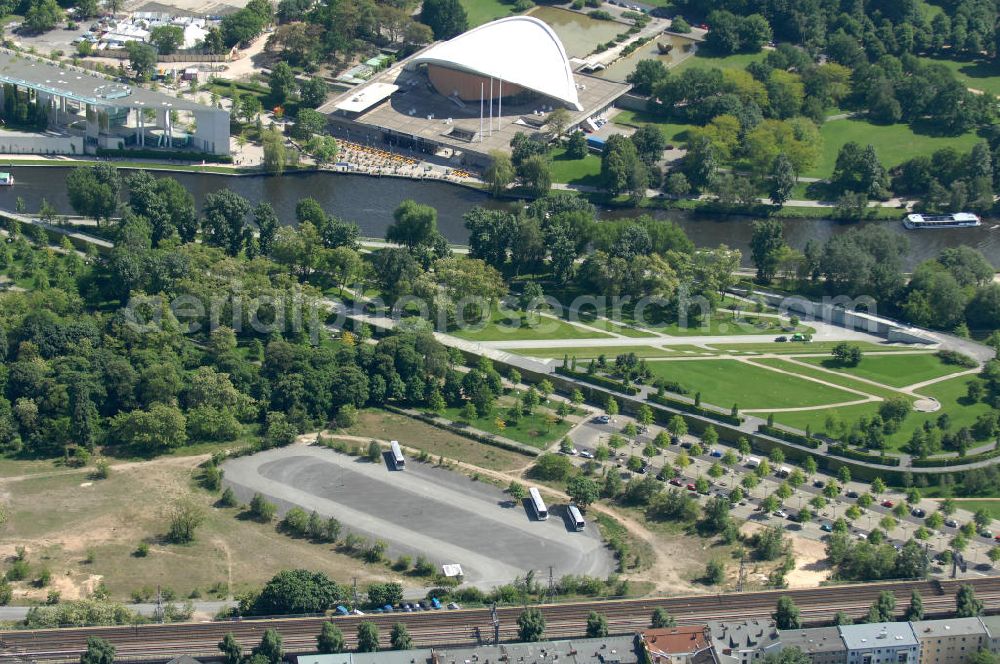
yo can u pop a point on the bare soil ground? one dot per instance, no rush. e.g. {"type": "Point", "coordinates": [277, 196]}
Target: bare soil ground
{"type": "Point", "coordinates": [85, 532]}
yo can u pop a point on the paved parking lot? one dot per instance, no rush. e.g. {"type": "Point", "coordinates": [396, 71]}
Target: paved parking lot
{"type": "Point", "coordinates": [422, 510]}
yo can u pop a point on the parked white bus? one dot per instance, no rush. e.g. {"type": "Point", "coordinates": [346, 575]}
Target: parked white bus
{"type": "Point", "coordinates": [398, 460]}
{"type": "Point", "coordinates": [576, 518]}
{"type": "Point", "coordinates": [538, 504]}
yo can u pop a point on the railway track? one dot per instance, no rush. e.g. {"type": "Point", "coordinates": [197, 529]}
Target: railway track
{"type": "Point", "coordinates": [469, 627]}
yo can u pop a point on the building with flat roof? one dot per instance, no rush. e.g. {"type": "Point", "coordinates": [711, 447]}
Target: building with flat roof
{"type": "Point", "coordinates": [415, 656]}
{"type": "Point", "coordinates": [688, 644]}
{"type": "Point", "coordinates": [743, 641]}
{"type": "Point", "coordinates": [950, 641]}
{"type": "Point", "coordinates": [85, 111]}
{"type": "Point", "coordinates": [992, 626]}
{"type": "Point", "coordinates": [823, 645]}
{"type": "Point", "coordinates": [463, 98]}
{"type": "Point", "coordinates": [609, 650]}
{"type": "Point", "coordinates": [880, 643]}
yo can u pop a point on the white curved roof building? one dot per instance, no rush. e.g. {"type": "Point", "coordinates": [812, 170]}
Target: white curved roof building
{"type": "Point", "coordinates": [521, 51]}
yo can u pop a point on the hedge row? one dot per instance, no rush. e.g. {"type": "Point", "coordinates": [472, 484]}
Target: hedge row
{"type": "Point", "coordinates": [462, 431]}
{"type": "Point", "coordinates": [695, 410]}
{"type": "Point", "coordinates": [600, 381]}
{"type": "Point", "coordinates": [955, 461]}
{"type": "Point", "coordinates": [840, 450]}
{"type": "Point", "coordinates": [166, 154]}
{"type": "Point", "coordinates": [789, 436]}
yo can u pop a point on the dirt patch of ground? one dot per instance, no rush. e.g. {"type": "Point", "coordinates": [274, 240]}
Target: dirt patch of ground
{"type": "Point", "coordinates": [811, 567]}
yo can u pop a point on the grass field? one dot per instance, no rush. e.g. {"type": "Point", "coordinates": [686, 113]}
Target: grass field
{"type": "Point", "coordinates": [586, 171]}
{"type": "Point", "coordinates": [436, 442]}
{"type": "Point", "coordinates": [892, 370]}
{"type": "Point", "coordinates": [501, 328]}
{"type": "Point", "coordinates": [723, 324]}
{"type": "Point", "coordinates": [794, 347]}
{"type": "Point", "coordinates": [540, 429]}
{"type": "Point", "coordinates": [977, 74]}
{"type": "Point", "coordinates": [587, 353]}
{"type": "Point", "coordinates": [675, 133]}
{"type": "Point", "coordinates": [950, 393]}
{"type": "Point", "coordinates": [606, 325]}
{"type": "Point", "coordinates": [725, 382]}
{"type": "Point", "coordinates": [65, 520]}
{"type": "Point", "coordinates": [893, 143]}
{"type": "Point", "coordinates": [484, 11]}
{"type": "Point", "coordinates": [992, 507]}
{"type": "Point", "coordinates": [836, 379]}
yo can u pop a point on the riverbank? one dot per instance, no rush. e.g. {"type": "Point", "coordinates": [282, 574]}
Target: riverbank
{"type": "Point", "coordinates": [814, 209]}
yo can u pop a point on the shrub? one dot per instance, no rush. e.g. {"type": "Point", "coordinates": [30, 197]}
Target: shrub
{"type": "Point", "coordinates": [600, 15]}
{"type": "Point", "coordinates": [680, 26]}
{"type": "Point", "coordinates": [142, 550]}
{"type": "Point", "coordinates": [957, 358]}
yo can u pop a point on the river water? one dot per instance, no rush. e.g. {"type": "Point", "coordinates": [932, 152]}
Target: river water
{"type": "Point", "coordinates": [369, 202]}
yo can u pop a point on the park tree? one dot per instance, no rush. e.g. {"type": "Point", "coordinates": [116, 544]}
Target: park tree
{"type": "Point", "coordinates": [185, 518]}
{"type": "Point", "coordinates": [297, 591]}
{"type": "Point", "coordinates": [166, 38]}
{"type": "Point", "coordinates": [141, 59]}
{"type": "Point", "coordinates": [400, 637]}
{"type": "Point", "coordinates": [647, 75]}
{"type": "Point", "coordinates": [224, 217]}
{"type": "Point", "coordinates": [786, 614]}
{"type": "Point", "coordinates": [94, 191]}
{"type": "Point", "coordinates": [915, 611]}
{"type": "Point", "coordinates": [313, 92]}
{"type": "Point", "coordinates": [597, 625]}
{"type": "Point", "coordinates": [767, 243]}
{"type": "Point", "coordinates": [883, 608]}
{"type": "Point", "coordinates": [232, 651]}
{"type": "Point", "coordinates": [500, 173]}
{"type": "Point", "coordinates": [621, 168]}
{"type": "Point", "coordinates": [782, 180]}
{"type": "Point", "coordinates": [367, 637]}
{"type": "Point", "coordinates": [281, 83]}
{"type": "Point", "coordinates": [583, 491]}
{"type": "Point", "coordinates": [99, 651]}
{"type": "Point", "coordinates": [662, 619]}
{"type": "Point", "coordinates": [270, 648]}
{"type": "Point", "coordinates": [531, 625]}
{"type": "Point", "coordinates": [446, 18]}
{"type": "Point", "coordinates": [536, 174]}
{"type": "Point", "coordinates": [330, 640]}
{"type": "Point", "coordinates": [966, 603]}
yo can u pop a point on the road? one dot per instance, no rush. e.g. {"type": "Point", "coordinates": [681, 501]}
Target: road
{"type": "Point", "coordinates": [470, 627]}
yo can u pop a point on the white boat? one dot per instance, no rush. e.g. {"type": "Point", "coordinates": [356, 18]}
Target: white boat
{"type": "Point", "coordinates": [6, 180]}
{"type": "Point", "coordinates": [954, 220]}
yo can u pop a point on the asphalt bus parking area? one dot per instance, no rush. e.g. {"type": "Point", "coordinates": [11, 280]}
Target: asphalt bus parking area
{"type": "Point", "coordinates": [422, 510]}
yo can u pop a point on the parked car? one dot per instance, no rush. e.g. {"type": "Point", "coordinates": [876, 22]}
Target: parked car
{"type": "Point", "coordinates": [676, 482]}
{"type": "Point", "coordinates": [852, 494]}
{"type": "Point", "coordinates": [988, 534]}
{"type": "Point", "coordinates": [888, 503]}
{"type": "Point", "coordinates": [826, 528]}
{"type": "Point", "coordinates": [917, 512]}
{"type": "Point", "coordinates": [602, 419]}
{"type": "Point", "coordinates": [781, 339]}
{"type": "Point", "coordinates": [453, 606]}
{"type": "Point", "coordinates": [819, 484]}
{"type": "Point", "coordinates": [951, 523]}
{"type": "Point", "coordinates": [715, 453]}
{"type": "Point", "coordinates": [691, 487]}
{"type": "Point", "coordinates": [586, 454]}
{"type": "Point", "coordinates": [781, 514]}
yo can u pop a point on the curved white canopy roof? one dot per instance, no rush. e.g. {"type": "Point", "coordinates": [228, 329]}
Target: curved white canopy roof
{"type": "Point", "coordinates": [518, 49]}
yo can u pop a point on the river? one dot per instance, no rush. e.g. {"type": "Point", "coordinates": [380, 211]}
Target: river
{"type": "Point", "coordinates": [369, 202]}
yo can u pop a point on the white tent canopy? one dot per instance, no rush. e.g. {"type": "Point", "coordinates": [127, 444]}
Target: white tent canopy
{"type": "Point", "coordinates": [521, 50]}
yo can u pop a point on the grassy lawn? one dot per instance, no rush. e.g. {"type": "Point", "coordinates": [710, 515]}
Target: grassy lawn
{"type": "Point", "coordinates": [950, 393]}
{"type": "Point", "coordinates": [586, 171]}
{"type": "Point", "coordinates": [436, 442]}
{"type": "Point", "coordinates": [796, 347]}
{"type": "Point", "coordinates": [992, 507]}
{"type": "Point", "coordinates": [585, 353]}
{"type": "Point", "coordinates": [606, 325]}
{"type": "Point", "coordinates": [503, 328]}
{"type": "Point", "coordinates": [725, 382]}
{"type": "Point", "coordinates": [721, 324]}
{"type": "Point", "coordinates": [540, 429]}
{"type": "Point", "coordinates": [836, 379]}
{"type": "Point", "coordinates": [893, 143]}
{"type": "Point", "coordinates": [892, 370]}
{"type": "Point", "coordinates": [484, 11]}
{"type": "Point", "coordinates": [706, 60]}
{"type": "Point", "coordinates": [61, 519]}
{"type": "Point", "coordinates": [675, 133]}
{"type": "Point", "coordinates": [977, 74]}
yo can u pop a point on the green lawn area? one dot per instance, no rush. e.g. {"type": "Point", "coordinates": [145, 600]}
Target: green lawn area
{"type": "Point", "coordinates": [708, 61]}
{"type": "Point", "coordinates": [893, 143]}
{"type": "Point", "coordinates": [503, 328]}
{"type": "Point", "coordinates": [606, 325]}
{"type": "Point", "coordinates": [978, 74]}
{"type": "Point", "coordinates": [484, 11]}
{"type": "Point", "coordinates": [725, 382]}
{"type": "Point", "coordinates": [587, 353]}
{"type": "Point", "coordinates": [722, 324]}
{"type": "Point", "coordinates": [950, 393]}
{"type": "Point", "coordinates": [675, 133]}
{"type": "Point", "coordinates": [540, 429]}
{"type": "Point", "coordinates": [586, 171]}
{"type": "Point", "coordinates": [797, 347]}
{"type": "Point", "coordinates": [894, 370]}
{"type": "Point", "coordinates": [836, 379]}
{"type": "Point", "coordinates": [992, 507]}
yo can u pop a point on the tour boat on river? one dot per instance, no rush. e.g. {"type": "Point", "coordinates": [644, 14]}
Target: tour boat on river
{"type": "Point", "coordinates": [954, 220]}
